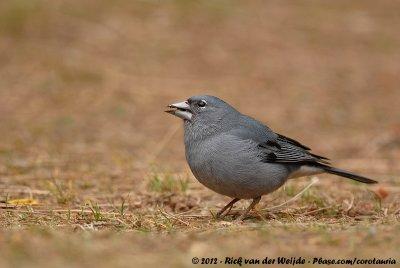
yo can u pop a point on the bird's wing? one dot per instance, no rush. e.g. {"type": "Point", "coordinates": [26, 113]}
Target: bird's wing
{"type": "Point", "coordinates": [274, 147]}
{"type": "Point", "coordinates": [292, 141]}
{"type": "Point", "coordinates": [287, 150]}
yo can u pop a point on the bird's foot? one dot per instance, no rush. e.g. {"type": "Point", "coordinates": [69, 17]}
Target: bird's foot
{"type": "Point", "coordinates": [246, 212]}
{"type": "Point", "coordinates": [220, 214]}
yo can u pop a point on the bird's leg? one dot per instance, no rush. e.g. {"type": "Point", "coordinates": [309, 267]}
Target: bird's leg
{"type": "Point", "coordinates": [228, 206]}
{"type": "Point", "coordinates": [252, 205]}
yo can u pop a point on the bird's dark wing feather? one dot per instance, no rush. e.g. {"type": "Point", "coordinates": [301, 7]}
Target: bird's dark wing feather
{"type": "Point", "coordinates": [292, 141]}
{"type": "Point", "coordinates": [286, 150]}
{"type": "Point", "coordinates": [274, 147]}
{"type": "Point", "coordinates": [298, 144]}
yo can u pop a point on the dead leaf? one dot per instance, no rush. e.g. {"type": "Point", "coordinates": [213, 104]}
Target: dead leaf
{"type": "Point", "coordinates": [23, 202]}
{"type": "Point", "coordinates": [381, 193]}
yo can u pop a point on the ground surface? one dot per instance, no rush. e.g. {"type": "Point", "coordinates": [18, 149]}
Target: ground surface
{"type": "Point", "coordinates": [92, 172]}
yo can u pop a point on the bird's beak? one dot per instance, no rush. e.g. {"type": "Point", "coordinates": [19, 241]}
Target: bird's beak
{"type": "Point", "coordinates": [181, 110]}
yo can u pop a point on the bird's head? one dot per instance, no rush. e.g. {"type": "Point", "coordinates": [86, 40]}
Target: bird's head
{"type": "Point", "coordinates": [204, 115]}
{"type": "Point", "coordinates": [203, 108]}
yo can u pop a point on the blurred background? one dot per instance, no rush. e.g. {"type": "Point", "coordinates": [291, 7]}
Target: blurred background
{"type": "Point", "coordinates": [84, 86]}
{"type": "Point", "coordinates": [88, 81]}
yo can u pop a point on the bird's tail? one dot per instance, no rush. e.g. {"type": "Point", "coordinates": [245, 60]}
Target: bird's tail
{"type": "Point", "coordinates": [347, 174]}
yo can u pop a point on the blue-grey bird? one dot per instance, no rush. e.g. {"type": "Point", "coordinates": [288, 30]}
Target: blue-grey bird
{"type": "Point", "coordinates": [240, 157]}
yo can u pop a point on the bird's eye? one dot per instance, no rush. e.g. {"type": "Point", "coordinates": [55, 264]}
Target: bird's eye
{"type": "Point", "coordinates": [201, 103]}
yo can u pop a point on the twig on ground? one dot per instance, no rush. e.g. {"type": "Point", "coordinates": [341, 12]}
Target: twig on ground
{"type": "Point", "coordinates": [313, 181]}
{"type": "Point", "coordinates": [173, 217]}
{"type": "Point", "coordinates": [313, 211]}
{"type": "Point", "coordinates": [349, 205]}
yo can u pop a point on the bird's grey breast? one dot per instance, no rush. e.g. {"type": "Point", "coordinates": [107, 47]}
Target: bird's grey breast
{"type": "Point", "coordinates": [231, 166]}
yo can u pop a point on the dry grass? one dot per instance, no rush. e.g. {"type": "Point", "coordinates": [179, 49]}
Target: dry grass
{"type": "Point", "coordinates": [83, 137]}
